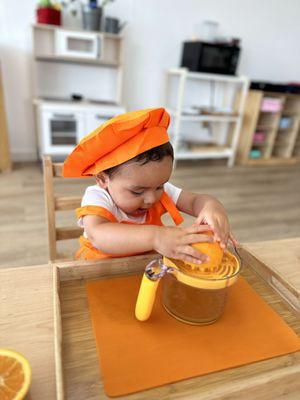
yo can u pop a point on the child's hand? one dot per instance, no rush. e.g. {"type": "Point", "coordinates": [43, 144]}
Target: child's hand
{"type": "Point", "coordinates": [215, 216]}
{"type": "Point", "coordinates": [176, 242]}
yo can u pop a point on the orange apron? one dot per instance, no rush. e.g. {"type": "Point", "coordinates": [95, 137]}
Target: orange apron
{"type": "Point", "coordinates": [88, 252]}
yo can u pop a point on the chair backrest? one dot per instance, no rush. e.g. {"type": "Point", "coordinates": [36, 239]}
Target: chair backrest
{"type": "Point", "coordinates": [55, 203]}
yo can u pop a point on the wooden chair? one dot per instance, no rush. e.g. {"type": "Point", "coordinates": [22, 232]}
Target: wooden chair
{"type": "Point", "coordinates": [55, 203]}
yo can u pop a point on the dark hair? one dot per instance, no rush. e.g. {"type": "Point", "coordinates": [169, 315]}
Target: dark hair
{"type": "Point", "coordinates": [154, 154]}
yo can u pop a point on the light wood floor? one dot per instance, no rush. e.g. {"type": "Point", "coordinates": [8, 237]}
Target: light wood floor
{"type": "Point", "coordinates": [262, 202]}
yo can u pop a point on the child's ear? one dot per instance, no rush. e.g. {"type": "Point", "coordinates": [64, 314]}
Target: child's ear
{"type": "Point", "coordinates": [102, 180]}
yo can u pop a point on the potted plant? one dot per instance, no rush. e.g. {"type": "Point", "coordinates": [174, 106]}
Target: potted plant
{"type": "Point", "coordinates": [48, 13]}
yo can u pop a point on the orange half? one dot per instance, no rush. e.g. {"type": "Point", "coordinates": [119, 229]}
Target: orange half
{"type": "Point", "coordinates": [212, 249]}
{"type": "Point", "coordinates": [15, 375]}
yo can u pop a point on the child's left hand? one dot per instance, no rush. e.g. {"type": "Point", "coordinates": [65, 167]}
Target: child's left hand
{"type": "Point", "coordinates": [215, 216]}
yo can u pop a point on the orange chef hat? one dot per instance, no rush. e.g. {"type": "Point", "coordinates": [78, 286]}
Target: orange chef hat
{"type": "Point", "coordinates": [118, 140]}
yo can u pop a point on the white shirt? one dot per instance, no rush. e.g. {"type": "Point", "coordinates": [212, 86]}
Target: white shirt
{"type": "Point", "coordinates": [96, 196]}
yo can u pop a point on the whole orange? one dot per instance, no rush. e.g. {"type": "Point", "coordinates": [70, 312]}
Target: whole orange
{"type": "Point", "coordinates": [212, 249]}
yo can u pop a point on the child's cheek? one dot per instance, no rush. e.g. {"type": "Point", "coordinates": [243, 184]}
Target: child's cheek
{"type": "Point", "coordinates": [132, 202]}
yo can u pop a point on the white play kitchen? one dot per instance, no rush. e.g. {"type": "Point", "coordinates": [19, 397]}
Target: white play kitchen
{"type": "Point", "coordinates": [78, 85]}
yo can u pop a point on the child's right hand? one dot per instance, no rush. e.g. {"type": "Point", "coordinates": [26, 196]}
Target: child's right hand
{"type": "Point", "coordinates": [175, 242]}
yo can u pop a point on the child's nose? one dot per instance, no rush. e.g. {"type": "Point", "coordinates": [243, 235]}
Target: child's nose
{"type": "Point", "coordinates": [149, 199]}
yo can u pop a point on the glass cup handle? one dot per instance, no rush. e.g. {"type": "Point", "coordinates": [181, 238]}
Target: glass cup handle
{"type": "Point", "coordinates": [154, 271]}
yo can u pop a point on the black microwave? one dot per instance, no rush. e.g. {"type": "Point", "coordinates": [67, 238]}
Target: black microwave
{"type": "Point", "coordinates": [217, 58]}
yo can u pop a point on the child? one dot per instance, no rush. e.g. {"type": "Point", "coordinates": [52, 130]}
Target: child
{"type": "Point", "coordinates": [131, 158]}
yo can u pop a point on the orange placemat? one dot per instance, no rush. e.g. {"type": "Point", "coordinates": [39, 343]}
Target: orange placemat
{"type": "Point", "coordinates": [137, 355]}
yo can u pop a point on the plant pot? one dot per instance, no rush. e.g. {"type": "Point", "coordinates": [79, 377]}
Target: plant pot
{"type": "Point", "coordinates": [48, 16]}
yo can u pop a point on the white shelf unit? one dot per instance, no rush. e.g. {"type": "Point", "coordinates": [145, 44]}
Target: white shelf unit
{"type": "Point", "coordinates": [67, 62]}
{"type": "Point", "coordinates": [221, 92]}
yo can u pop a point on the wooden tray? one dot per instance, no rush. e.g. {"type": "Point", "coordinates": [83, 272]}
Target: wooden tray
{"type": "Point", "coordinates": [267, 379]}
{"type": "Point", "coordinates": [45, 302]}
{"type": "Point", "coordinates": [278, 263]}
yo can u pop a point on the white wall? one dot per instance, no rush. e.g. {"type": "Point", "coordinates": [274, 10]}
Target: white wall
{"type": "Point", "coordinates": [269, 29]}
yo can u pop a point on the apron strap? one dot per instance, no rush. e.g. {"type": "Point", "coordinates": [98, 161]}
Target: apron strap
{"type": "Point", "coordinates": [171, 208]}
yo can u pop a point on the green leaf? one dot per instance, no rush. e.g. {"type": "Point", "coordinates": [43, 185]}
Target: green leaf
{"type": "Point", "coordinates": [45, 4]}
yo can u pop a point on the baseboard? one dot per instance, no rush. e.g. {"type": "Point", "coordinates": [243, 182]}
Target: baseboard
{"type": "Point", "coordinates": [24, 155]}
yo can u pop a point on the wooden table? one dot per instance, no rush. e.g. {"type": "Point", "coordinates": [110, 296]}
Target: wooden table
{"type": "Point", "coordinates": [44, 303]}
{"type": "Point", "coordinates": [27, 322]}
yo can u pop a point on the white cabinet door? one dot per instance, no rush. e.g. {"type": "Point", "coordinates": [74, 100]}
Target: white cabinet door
{"type": "Point", "coordinates": [94, 120]}
{"type": "Point", "coordinates": [96, 117]}
{"type": "Point", "coordinates": [60, 131]}
{"type": "Point", "coordinates": [62, 127]}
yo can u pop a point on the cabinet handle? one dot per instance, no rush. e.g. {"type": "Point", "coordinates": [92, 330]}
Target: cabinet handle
{"type": "Point", "coordinates": [64, 116]}
{"type": "Point", "coordinates": [98, 116]}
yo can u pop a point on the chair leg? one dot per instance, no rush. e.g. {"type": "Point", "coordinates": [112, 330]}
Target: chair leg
{"type": "Point", "coordinates": [50, 206]}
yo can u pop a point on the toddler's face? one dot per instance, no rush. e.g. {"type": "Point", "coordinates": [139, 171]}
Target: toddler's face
{"type": "Point", "coordinates": [135, 187]}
